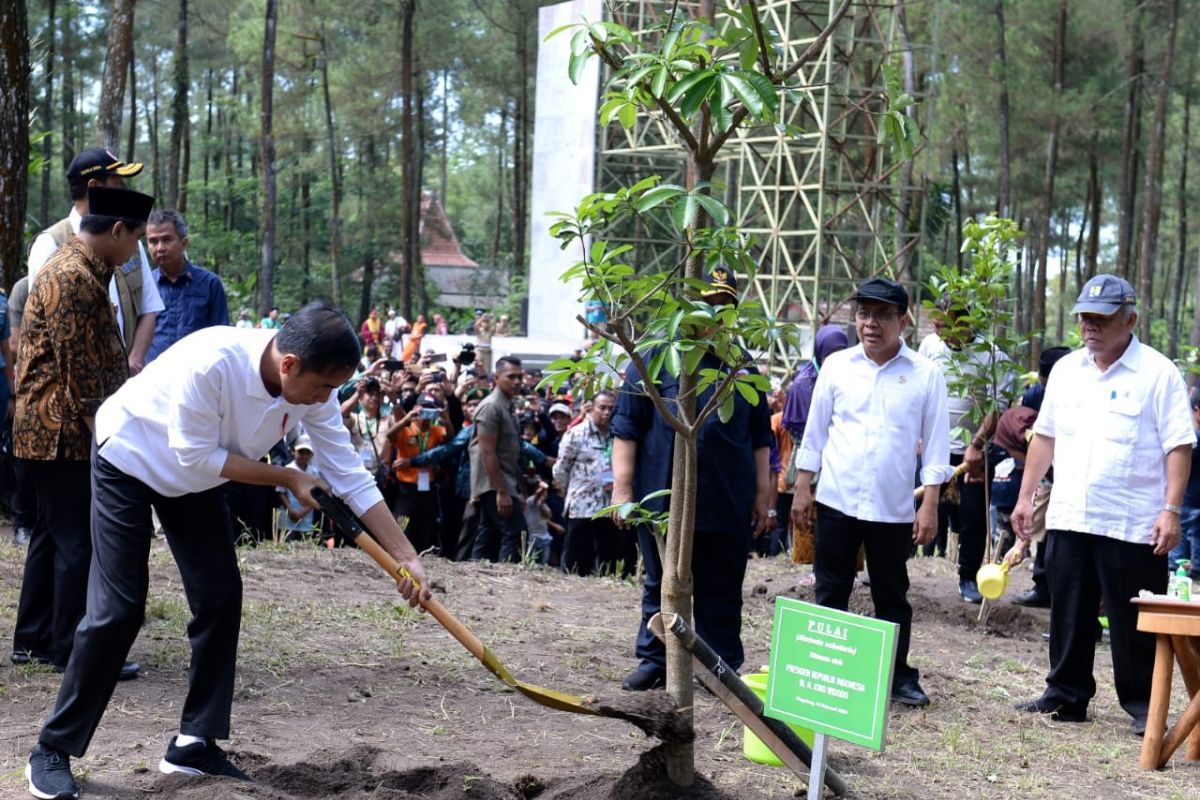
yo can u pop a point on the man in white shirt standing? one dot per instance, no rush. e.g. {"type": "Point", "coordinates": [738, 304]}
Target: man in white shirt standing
{"type": "Point", "coordinates": [1116, 426]}
{"type": "Point", "coordinates": [201, 414]}
{"type": "Point", "coordinates": [873, 405]}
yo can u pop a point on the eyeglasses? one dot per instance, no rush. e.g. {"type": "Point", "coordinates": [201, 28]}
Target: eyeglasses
{"type": "Point", "coordinates": [881, 317]}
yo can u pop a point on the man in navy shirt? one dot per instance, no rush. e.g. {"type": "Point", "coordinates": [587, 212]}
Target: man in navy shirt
{"type": "Point", "coordinates": [193, 296]}
{"type": "Point", "coordinates": [732, 501]}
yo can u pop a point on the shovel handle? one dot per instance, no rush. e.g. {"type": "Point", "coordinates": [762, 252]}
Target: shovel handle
{"type": "Point", "coordinates": [349, 522]}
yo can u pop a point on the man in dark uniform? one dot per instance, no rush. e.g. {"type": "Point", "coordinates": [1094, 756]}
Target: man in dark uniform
{"type": "Point", "coordinates": [733, 476]}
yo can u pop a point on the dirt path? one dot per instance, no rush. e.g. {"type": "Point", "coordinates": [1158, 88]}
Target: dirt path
{"type": "Point", "coordinates": [342, 694]}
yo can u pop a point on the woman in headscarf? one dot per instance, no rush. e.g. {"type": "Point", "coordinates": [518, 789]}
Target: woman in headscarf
{"type": "Point", "coordinates": [829, 340]}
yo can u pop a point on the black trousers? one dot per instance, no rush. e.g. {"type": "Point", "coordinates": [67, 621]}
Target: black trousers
{"type": "Point", "coordinates": [718, 569]}
{"type": "Point", "coordinates": [24, 499]}
{"type": "Point", "coordinates": [497, 538]}
{"type": "Point", "coordinates": [888, 544]}
{"type": "Point", "coordinates": [202, 544]}
{"type": "Point", "coordinates": [421, 508]}
{"type": "Point", "coordinates": [54, 587]}
{"type": "Point", "coordinates": [969, 520]}
{"type": "Point", "coordinates": [1083, 569]}
{"type": "Point", "coordinates": [597, 546]}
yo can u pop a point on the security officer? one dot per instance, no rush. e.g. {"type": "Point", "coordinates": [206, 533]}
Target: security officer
{"type": "Point", "coordinates": [734, 475]}
{"type": "Point", "coordinates": [1116, 426]}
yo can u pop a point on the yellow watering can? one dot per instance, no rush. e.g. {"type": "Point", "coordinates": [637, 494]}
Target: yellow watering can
{"type": "Point", "coordinates": [992, 580]}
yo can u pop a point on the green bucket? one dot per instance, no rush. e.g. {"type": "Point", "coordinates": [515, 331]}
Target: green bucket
{"type": "Point", "coordinates": [753, 747]}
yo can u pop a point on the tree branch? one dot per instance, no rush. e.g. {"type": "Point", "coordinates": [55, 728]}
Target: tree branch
{"type": "Point", "coordinates": [616, 334]}
{"type": "Point", "coordinates": [763, 57]}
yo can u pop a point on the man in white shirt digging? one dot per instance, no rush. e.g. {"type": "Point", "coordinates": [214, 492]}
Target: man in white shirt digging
{"type": "Point", "coordinates": [200, 415]}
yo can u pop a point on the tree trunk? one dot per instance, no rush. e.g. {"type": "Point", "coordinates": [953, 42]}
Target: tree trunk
{"type": "Point", "coordinates": [1083, 223]}
{"type": "Point", "coordinates": [152, 125]}
{"type": "Point", "coordinates": [1005, 195]}
{"type": "Point", "coordinates": [185, 166]}
{"type": "Point", "coordinates": [335, 182]}
{"type": "Point", "coordinates": [208, 127]}
{"type": "Point", "coordinates": [521, 127]}
{"type": "Point", "coordinates": [1129, 143]}
{"type": "Point", "coordinates": [179, 106]}
{"type": "Point", "coordinates": [14, 129]}
{"type": "Point", "coordinates": [1063, 245]}
{"type": "Point", "coordinates": [230, 197]}
{"type": "Point", "coordinates": [48, 115]}
{"type": "Point", "coordinates": [116, 67]}
{"type": "Point", "coordinates": [266, 272]}
{"type": "Point", "coordinates": [958, 209]}
{"type": "Point", "coordinates": [410, 229]}
{"type": "Point", "coordinates": [70, 12]}
{"type": "Point", "coordinates": [500, 152]}
{"type": "Point", "coordinates": [131, 142]}
{"type": "Point", "coordinates": [1093, 245]}
{"type": "Point", "coordinates": [1152, 207]}
{"type": "Point", "coordinates": [418, 190]}
{"type": "Point", "coordinates": [1039, 292]}
{"type": "Point", "coordinates": [904, 206]}
{"type": "Point", "coordinates": [1185, 141]}
{"type": "Point", "coordinates": [443, 178]}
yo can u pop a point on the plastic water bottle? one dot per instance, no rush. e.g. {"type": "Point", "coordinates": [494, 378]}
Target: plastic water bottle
{"type": "Point", "coordinates": [1181, 585]}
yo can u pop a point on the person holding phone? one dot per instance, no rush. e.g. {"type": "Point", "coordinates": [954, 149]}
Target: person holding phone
{"type": "Point", "coordinates": [420, 430]}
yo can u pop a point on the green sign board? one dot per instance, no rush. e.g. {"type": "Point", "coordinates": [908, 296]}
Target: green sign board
{"type": "Point", "coordinates": [831, 671]}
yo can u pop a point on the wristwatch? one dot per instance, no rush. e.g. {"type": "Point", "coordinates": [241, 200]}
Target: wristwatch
{"type": "Point", "coordinates": [1174, 509]}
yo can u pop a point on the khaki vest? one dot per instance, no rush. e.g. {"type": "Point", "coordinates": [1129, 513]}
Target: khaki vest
{"type": "Point", "coordinates": [128, 277]}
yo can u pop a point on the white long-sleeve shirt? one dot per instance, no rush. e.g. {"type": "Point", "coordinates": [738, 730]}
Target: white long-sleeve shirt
{"type": "Point", "coordinates": [151, 302]}
{"type": "Point", "coordinates": [1112, 431]}
{"type": "Point", "coordinates": [173, 425]}
{"type": "Point", "coordinates": [864, 426]}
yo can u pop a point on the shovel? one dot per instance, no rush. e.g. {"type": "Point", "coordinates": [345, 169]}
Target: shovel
{"type": "Point", "coordinates": [350, 524]}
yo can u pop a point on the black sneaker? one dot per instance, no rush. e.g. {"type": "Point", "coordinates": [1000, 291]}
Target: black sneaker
{"type": "Point", "coordinates": [201, 758]}
{"type": "Point", "coordinates": [49, 774]}
{"type": "Point", "coordinates": [642, 680]}
{"type": "Point", "coordinates": [970, 592]}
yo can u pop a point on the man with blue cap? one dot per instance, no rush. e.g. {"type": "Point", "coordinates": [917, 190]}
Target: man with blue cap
{"type": "Point", "coordinates": [1115, 425]}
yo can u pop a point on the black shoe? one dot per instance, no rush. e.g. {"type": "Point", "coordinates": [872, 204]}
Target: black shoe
{"type": "Point", "coordinates": [1058, 711]}
{"type": "Point", "coordinates": [21, 537]}
{"type": "Point", "coordinates": [201, 758]}
{"type": "Point", "coordinates": [20, 657]}
{"type": "Point", "coordinates": [1032, 599]}
{"type": "Point", "coordinates": [1139, 726]}
{"type": "Point", "coordinates": [910, 694]}
{"type": "Point", "coordinates": [49, 774]}
{"type": "Point", "coordinates": [129, 671]}
{"type": "Point", "coordinates": [641, 680]}
{"type": "Point", "coordinates": [970, 592]}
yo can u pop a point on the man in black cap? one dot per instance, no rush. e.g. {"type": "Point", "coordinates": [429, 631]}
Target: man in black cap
{"type": "Point", "coordinates": [1116, 425]}
{"type": "Point", "coordinates": [132, 290]}
{"type": "Point", "coordinates": [70, 361]}
{"type": "Point", "coordinates": [873, 406]}
{"type": "Point", "coordinates": [733, 499]}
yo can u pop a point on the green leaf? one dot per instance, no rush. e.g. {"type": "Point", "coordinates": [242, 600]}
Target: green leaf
{"type": "Point", "coordinates": [725, 410]}
{"type": "Point", "coordinates": [684, 213]}
{"type": "Point", "coordinates": [660, 81]}
{"type": "Point", "coordinates": [575, 66]}
{"type": "Point", "coordinates": [747, 392]}
{"type": "Point", "coordinates": [691, 360]}
{"type": "Point", "coordinates": [767, 92]}
{"type": "Point", "coordinates": [748, 53]}
{"type": "Point", "coordinates": [672, 361]}
{"type": "Point", "coordinates": [627, 116]}
{"type": "Point", "coordinates": [715, 208]}
{"type": "Point", "coordinates": [745, 91]}
{"type": "Point", "coordinates": [657, 196]}
{"type": "Point", "coordinates": [696, 95]}
{"type": "Point", "coordinates": [685, 83]}
{"type": "Point", "coordinates": [656, 495]}
{"type": "Point", "coordinates": [580, 42]}
{"type": "Point", "coordinates": [559, 30]}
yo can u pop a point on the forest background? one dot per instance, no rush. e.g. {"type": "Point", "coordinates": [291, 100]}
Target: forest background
{"type": "Point", "coordinates": [1073, 117]}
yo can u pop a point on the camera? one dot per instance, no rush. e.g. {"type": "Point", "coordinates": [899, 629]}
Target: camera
{"type": "Point", "coordinates": [429, 414]}
{"type": "Point", "coordinates": [466, 355]}
{"type": "Point", "coordinates": [371, 384]}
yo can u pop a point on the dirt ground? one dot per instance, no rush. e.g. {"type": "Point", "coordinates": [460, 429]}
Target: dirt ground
{"type": "Point", "coordinates": [343, 694]}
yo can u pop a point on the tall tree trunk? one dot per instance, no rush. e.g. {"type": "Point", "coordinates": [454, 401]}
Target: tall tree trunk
{"type": "Point", "coordinates": [48, 114]}
{"type": "Point", "coordinates": [1129, 146]}
{"type": "Point", "coordinates": [410, 229]}
{"type": "Point", "coordinates": [305, 233]}
{"type": "Point", "coordinates": [904, 207]}
{"type": "Point", "coordinates": [116, 67]}
{"type": "Point", "coordinates": [185, 166]}
{"type": "Point", "coordinates": [152, 123]}
{"type": "Point", "coordinates": [1093, 245]}
{"type": "Point", "coordinates": [131, 142]}
{"type": "Point", "coordinates": [419, 192]}
{"type": "Point", "coordinates": [208, 148]}
{"type": "Point", "coordinates": [1185, 141]}
{"type": "Point", "coordinates": [1060, 312]}
{"type": "Point", "coordinates": [1152, 207]}
{"type": "Point", "coordinates": [1004, 197]}
{"type": "Point", "coordinates": [335, 182]}
{"type": "Point", "coordinates": [14, 129]}
{"type": "Point", "coordinates": [179, 106]}
{"type": "Point", "coordinates": [69, 142]}
{"type": "Point", "coordinates": [1039, 292]}
{"type": "Point", "coordinates": [502, 139]}
{"type": "Point", "coordinates": [958, 209]}
{"type": "Point", "coordinates": [1083, 223]}
{"type": "Point", "coordinates": [230, 117]}
{"type": "Point", "coordinates": [521, 118]}
{"type": "Point", "coordinates": [266, 271]}
{"type": "Point", "coordinates": [443, 178]}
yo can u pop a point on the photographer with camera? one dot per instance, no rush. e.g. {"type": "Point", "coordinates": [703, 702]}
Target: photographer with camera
{"type": "Point", "coordinates": [422, 428]}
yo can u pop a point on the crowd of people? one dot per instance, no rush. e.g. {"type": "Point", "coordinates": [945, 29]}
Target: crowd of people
{"type": "Point", "coordinates": [136, 405]}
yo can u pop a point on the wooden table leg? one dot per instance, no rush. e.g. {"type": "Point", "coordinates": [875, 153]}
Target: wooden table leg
{"type": "Point", "coordinates": [1183, 726]}
{"type": "Point", "coordinates": [1160, 700]}
{"type": "Point", "coordinates": [1191, 647]}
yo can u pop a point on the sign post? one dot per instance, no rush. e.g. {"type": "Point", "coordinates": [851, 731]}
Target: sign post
{"type": "Point", "coordinates": [830, 672]}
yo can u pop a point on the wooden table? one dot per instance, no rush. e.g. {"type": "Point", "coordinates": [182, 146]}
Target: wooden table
{"type": "Point", "coordinates": [1177, 627]}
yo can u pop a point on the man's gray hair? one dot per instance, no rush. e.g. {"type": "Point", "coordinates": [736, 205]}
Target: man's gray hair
{"type": "Point", "coordinates": [169, 215]}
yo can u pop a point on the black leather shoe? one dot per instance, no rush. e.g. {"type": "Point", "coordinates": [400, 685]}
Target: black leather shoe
{"type": "Point", "coordinates": [21, 537]}
{"type": "Point", "coordinates": [1139, 726]}
{"type": "Point", "coordinates": [1032, 599]}
{"type": "Point", "coordinates": [970, 592]}
{"type": "Point", "coordinates": [910, 694]}
{"type": "Point", "coordinates": [642, 680]}
{"type": "Point", "coordinates": [129, 671]}
{"type": "Point", "coordinates": [1058, 711]}
{"type": "Point", "coordinates": [19, 657]}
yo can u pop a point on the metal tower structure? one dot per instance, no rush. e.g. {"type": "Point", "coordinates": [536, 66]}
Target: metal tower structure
{"type": "Point", "coordinates": [827, 207]}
